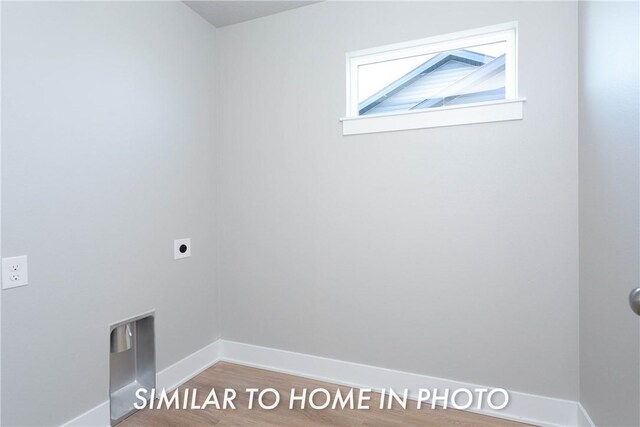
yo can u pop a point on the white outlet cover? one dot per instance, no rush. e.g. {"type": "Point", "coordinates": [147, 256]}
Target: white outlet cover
{"type": "Point", "coordinates": [179, 250]}
{"type": "Point", "coordinates": [14, 272]}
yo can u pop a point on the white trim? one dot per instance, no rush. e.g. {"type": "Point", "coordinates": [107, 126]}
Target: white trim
{"type": "Point", "coordinates": [441, 38]}
{"type": "Point", "coordinates": [187, 368]}
{"type": "Point", "coordinates": [524, 407]}
{"type": "Point", "coordinates": [1, 6]}
{"type": "Point", "coordinates": [169, 378]}
{"type": "Point", "coordinates": [507, 32]}
{"type": "Point", "coordinates": [97, 416]}
{"type": "Point", "coordinates": [481, 112]}
{"type": "Point", "coordinates": [584, 420]}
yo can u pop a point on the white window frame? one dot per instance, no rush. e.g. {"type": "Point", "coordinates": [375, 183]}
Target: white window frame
{"type": "Point", "coordinates": [508, 109]}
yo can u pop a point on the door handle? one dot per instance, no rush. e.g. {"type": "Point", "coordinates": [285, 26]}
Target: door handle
{"type": "Point", "coordinates": [634, 301]}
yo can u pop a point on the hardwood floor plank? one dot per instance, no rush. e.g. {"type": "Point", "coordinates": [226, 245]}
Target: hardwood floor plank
{"type": "Point", "coordinates": [227, 375]}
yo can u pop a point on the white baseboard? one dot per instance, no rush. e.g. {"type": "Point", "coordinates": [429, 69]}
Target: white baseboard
{"type": "Point", "coordinates": [584, 420]}
{"type": "Point", "coordinates": [98, 416]}
{"type": "Point", "coordinates": [187, 368]}
{"type": "Point", "coordinates": [525, 407]}
{"type": "Point", "coordinates": [169, 378]}
{"type": "Point", "coordinates": [529, 408]}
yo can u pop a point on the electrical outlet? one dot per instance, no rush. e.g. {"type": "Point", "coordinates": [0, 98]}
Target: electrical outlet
{"type": "Point", "coordinates": [14, 272]}
{"type": "Point", "coordinates": [181, 248]}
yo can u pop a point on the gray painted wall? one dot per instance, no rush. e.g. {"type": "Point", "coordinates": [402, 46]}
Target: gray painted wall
{"type": "Point", "coordinates": [450, 252]}
{"type": "Point", "coordinates": [609, 135]}
{"type": "Point", "coordinates": [387, 249]}
{"type": "Point", "coordinates": [108, 128]}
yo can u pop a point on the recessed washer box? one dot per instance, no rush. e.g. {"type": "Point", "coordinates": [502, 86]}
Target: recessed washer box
{"type": "Point", "coordinates": [132, 363]}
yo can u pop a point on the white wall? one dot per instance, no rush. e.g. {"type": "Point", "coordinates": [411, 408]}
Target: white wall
{"type": "Point", "coordinates": [108, 128]}
{"type": "Point", "coordinates": [451, 252]}
{"type": "Point", "coordinates": [609, 137]}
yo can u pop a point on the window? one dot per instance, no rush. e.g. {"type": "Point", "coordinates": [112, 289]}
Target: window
{"type": "Point", "coordinates": [467, 77]}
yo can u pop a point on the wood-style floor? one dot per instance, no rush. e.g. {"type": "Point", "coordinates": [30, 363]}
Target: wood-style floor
{"type": "Point", "coordinates": [227, 375]}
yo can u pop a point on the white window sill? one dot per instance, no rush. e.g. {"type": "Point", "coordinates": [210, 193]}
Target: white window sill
{"type": "Point", "coordinates": [482, 112]}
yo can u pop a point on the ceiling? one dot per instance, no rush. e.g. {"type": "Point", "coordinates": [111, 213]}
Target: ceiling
{"type": "Point", "coordinates": [222, 13]}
